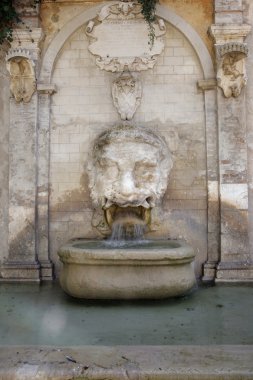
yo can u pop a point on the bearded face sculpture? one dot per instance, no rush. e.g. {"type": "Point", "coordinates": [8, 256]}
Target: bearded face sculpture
{"type": "Point", "coordinates": [128, 171]}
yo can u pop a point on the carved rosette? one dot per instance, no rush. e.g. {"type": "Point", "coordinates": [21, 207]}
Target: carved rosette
{"type": "Point", "coordinates": [119, 38]}
{"type": "Point", "coordinates": [231, 73]}
{"type": "Point", "coordinates": [22, 75]}
{"type": "Point", "coordinates": [126, 93]}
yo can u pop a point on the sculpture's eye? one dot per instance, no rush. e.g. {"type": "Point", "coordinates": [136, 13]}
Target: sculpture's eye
{"type": "Point", "coordinates": [109, 167]}
{"type": "Point", "coordinates": [145, 172]}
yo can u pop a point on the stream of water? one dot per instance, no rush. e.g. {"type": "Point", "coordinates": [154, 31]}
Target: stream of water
{"type": "Point", "coordinates": [127, 231]}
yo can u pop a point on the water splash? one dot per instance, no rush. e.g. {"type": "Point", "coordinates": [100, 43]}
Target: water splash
{"type": "Point", "coordinates": [126, 231]}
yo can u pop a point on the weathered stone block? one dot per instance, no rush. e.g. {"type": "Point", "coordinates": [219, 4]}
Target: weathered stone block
{"type": "Point", "coordinates": [228, 17]}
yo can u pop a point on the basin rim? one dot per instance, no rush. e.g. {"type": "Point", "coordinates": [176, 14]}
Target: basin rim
{"type": "Point", "coordinates": [69, 253]}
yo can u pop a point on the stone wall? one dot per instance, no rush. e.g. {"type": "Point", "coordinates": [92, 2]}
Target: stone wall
{"type": "Point", "coordinates": [209, 200]}
{"type": "Point", "coordinates": [171, 103]}
{"type": "Point", "coordinates": [55, 14]}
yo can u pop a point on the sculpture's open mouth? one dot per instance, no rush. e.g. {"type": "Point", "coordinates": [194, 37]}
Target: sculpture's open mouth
{"type": "Point", "coordinates": [115, 212]}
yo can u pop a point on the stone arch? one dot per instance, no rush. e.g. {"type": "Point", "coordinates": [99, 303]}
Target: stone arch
{"type": "Point", "coordinates": [166, 13]}
{"type": "Point", "coordinates": [45, 89]}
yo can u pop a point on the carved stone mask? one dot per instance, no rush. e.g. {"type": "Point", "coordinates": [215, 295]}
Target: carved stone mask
{"type": "Point", "coordinates": [129, 168]}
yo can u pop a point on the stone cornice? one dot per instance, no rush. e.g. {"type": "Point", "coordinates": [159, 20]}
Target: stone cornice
{"type": "Point", "coordinates": [207, 84]}
{"type": "Point", "coordinates": [27, 40]}
{"type": "Point", "coordinates": [229, 33]}
{"type": "Point", "coordinates": [27, 37]}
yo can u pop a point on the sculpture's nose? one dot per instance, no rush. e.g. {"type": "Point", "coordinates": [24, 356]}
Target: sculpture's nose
{"type": "Point", "coordinates": [127, 185]}
{"type": "Point", "coordinates": [127, 191]}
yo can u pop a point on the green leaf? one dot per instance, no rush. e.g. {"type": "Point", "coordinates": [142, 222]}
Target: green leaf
{"type": "Point", "coordinates": [9, 17]}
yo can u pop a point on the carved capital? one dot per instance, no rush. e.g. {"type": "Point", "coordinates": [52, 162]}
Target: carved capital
{"type": "Point", "coordinates": [28, 40]}
{"type": "Point", "coordinates": [231, 73]}
{"type": "Point", "coordinates": [231, 52]}
{"type": "Point", "coordinates": [238, 48]}
{"type": "Point", "coordinates": [21, 61]}
{"type": "Point", "coordinates": [229, 33]}
{"type": "Point", "coordinates": [14, 53]}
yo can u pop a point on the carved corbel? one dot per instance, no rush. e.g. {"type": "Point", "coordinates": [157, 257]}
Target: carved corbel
{"type": "Point", "coordinates": [22, 75]}
{"type": "Point", "coordinates": [231, 73]}
{"type": "Point", "coordinates": [46, 88]}
{"type": "Point", "coordinates": [231, 52]}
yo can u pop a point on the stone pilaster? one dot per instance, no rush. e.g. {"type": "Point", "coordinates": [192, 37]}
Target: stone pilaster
{"type": "Point", "coordinates": [4, 161]}
{"type": "Point", "coordinates": [45, 91]}
{"type": "Point", "coordinates": [229, 34]}
{"type": "Point", "coordinates": [22, 60]}
{"type": "Point", "coordinates": [249, 108]}
{"type": "Point", "coordinates": [213, 212]}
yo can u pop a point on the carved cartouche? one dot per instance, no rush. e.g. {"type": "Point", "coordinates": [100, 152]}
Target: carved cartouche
{"type": "Point", "coordinates": [126, 93]}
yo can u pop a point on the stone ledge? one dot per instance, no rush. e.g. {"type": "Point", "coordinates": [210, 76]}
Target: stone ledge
{"type": "Point", "coordinates": [229, 33]}
{"type": "Point", "coordinates": [234, 272]}
{"type": "Point", "coordinates": [126, 362]}
{"type": "Point", "coordinates": [207, 84]}
{"type": "Point", "coordinates": [20, 272]}
{"type": "Point", "coordinates": [46, 88]}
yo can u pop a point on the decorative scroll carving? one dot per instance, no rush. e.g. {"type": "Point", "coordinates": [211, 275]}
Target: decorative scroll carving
{"type": "Point", "coordinates": [120, 10]}
{"type": "Point", "coordinates": [231, 74]}
{"type": "Point", "coordinates": [22, 75]}
{"type": "Point", "coordinates": [119, 38]}
{"type": "Point", "coordinates": [126, 93]}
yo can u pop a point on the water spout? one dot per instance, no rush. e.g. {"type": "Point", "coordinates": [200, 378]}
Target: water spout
{"type": "Point", "coordinates": [126, 229]}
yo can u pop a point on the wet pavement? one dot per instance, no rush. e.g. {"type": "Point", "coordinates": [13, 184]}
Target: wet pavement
{"type": "Point", "coordinates": [33, 314]}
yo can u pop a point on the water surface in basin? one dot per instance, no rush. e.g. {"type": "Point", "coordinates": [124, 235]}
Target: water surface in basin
{"type": "Point", "coordinates": [127, 244]}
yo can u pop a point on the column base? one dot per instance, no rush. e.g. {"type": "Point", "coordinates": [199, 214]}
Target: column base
{"type": "Point", "coordinates": [209, 271]}
{"type": "Point", "coordinates": [234, 272]}
{"type": "Point", "coordinates": [20, 272]}
{"type": "Point", "coordinates": [46, 270]}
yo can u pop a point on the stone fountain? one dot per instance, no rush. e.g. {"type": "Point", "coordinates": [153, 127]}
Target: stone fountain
{"type": "Point", "coordinates": [128, 172]}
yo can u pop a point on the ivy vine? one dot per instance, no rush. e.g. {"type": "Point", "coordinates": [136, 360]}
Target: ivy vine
{"type": "Point", "coordinates": [148, 11]}
{"type": "Point", "coordinates": [9, 18]}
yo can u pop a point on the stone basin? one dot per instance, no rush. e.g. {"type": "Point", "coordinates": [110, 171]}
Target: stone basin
{"type": "Point", "coordinates": [95, 269]}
